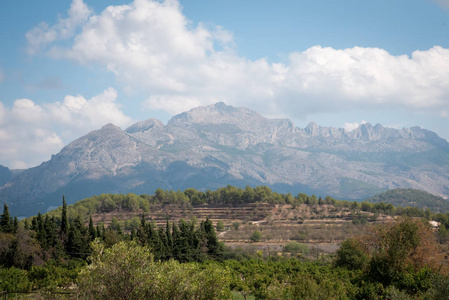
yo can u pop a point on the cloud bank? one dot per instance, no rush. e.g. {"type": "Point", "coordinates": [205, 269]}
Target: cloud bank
{"type": "Point", "coordinates": [151, 46]}
{"type": "Point", "coordinates": [29, 133]}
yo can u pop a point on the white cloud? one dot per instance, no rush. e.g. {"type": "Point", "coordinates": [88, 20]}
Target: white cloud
{"type": "Point", "coordinates": [30, 133]}
{"type": "Point", "coordinates": [151, 46]}
{"type": "Point", "coordinates": [351, 126]}
{"type": "Point", "coordinates": [43, 34]}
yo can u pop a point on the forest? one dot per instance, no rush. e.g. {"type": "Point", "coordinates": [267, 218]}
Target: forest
{"type": "Point", "coordinates": [65, 254]}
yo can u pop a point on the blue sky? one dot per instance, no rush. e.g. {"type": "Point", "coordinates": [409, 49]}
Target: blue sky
{"type": "Point", "coordinates": [69, 67]}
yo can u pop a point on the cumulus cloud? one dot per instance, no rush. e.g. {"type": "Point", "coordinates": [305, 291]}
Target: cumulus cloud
{"type": "Point", "coordinates": [65, 28]}
{"type": "Point", "coordinates": [151, 46]}
{"type": "Point", "coordinates": [30, 133]}
{"type": "Point", "coordinates": [352, 126]}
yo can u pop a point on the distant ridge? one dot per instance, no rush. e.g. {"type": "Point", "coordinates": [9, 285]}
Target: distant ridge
{"type": "Point", "coordinates": [412, 198]}
{"type": "Point", "coordinates": [216, 145]}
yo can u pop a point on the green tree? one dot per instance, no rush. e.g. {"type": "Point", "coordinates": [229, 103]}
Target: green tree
{"type": "Point", "coordinates": [6, 222]}
{"type": "Point", "coordinates": [220, 226]}
{"type": "Point", "coordinates": [352, 255]}
{"type": "Point", "coordinates": [128, 271]}
{"type": "Point", "coordinates": [295, 247]}
{"type": "Point", "coordinates": [119, 272]}
{"type": "Point", "coordinates": [256, 236]}
{"type": "Point", "coordinates": [78, 239]}
{"type": "Point", "coordinates": [92, 231]}
{"type": "Point", "coordinates": [64, 219]}
{"type": "Point", "coordinates": [13, 279]}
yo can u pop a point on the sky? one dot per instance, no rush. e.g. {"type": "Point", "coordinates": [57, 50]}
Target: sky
{"type": "Point", "coordinates": [70, 67]}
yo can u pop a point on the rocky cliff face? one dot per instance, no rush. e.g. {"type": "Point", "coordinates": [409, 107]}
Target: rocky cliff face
{"type": "Point", "coordinates": [217, 145]}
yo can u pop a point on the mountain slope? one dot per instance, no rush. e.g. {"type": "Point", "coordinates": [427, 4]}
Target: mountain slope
{"type": "Point", "coordinates": [5, 175]}
{"type": "Point", "coordinates": [212, 146]}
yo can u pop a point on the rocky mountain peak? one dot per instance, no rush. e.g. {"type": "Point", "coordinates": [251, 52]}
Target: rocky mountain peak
{"type": "Point", "coordinates": [312, 129]}
{"type": "Point", "coordinates": [110, 126]}
{"type": "Point", "coordinates": [218, 113]}
{"type": "Point", "coordinates": [143, 126]}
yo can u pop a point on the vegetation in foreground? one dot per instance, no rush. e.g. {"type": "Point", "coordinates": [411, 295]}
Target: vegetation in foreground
{"type": "Point", "coordinates": [396, 260]}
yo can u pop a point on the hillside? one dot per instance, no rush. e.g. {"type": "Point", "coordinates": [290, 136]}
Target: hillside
{"type": "Point", "coordinates": [413, 198]}
{"type": "Point", "coordinates": [281, 218]}
{"type": "Point", "coordinates": [217, 145]}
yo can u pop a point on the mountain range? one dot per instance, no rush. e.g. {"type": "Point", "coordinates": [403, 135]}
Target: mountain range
{"type": "Point", "coordinates": [216, 145]}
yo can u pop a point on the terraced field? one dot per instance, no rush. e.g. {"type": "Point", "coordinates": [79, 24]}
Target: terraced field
{"type": "Point", "coordinates": [322, 227]}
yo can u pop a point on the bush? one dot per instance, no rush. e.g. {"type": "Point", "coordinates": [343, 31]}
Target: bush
{"type": "Point", "coordinates": [351, 255]}
{"type": "Point", "coordinates": [236, 226]}
{"type": "Point", "coordinates": [128, 271]}
{"type": "Point", "coordinates": [256, 236]}
{"type": "Point", "coordinates": [295, 247]}
{"type": "Point", "coordinates": [14, 280]}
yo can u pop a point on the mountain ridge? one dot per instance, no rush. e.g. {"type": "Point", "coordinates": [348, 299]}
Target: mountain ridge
{"type": "Point", "coordinates": [217, 145]}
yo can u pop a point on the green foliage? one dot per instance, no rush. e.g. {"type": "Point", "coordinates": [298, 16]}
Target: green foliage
{"type": "Point", "coordinates": [351, 255]}
{"type": "Point", "coordinates": [64, 218]}
{"type": "Point", "coordinates": [6, 221]}
{"type": "Point", "coordinates": [52, 276]}
{"type": "Point", "coordinates": [13, 279]}
{"type": "Point", "coordinates": [128, 271]}
{"type": "Point", "coordinates": [220, 226]}
{"type": "Point", "coordinates": [256, 236]}
{"type": "Point", "coordinates": [236, 226]}
{"type": "Point", "coordinates": [295, 247]}
{"type": "Point", "coordinates": [411, 197]}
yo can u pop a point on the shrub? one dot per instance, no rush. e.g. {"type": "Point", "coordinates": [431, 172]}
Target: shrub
{"type": "Point", "coordinates": [256, 236]}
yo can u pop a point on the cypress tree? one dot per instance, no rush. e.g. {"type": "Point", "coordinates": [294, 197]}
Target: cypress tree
{"type": "Point", "coordinates": [6, 223]}
{"type": "Point", "coordinates": [214, 247]}
{"type": "Point", "coordinates": [78, 239]}
{"type": "Point", "coordinates": [64, 218]}
{"type": "Point", "coordinates": [92, 232]}
{"type": "Point", "coordinates": [133, 234]}
{"type": "Point", "coordinates": [50, 233]}
{"type": "Point", "coordinates": [176, 253]}
{"type": "Point", "coordinates": [163, 246]}
{"type": "Point", "coordinates": [169, 238]}
{"type": "Point", "coordinates": [98, 234]}
{"type": "Point", "coordinates": [16, 224]}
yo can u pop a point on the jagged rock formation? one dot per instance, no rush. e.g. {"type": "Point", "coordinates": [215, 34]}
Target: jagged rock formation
{"type": "Point", "coordinates": [216, 145]}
